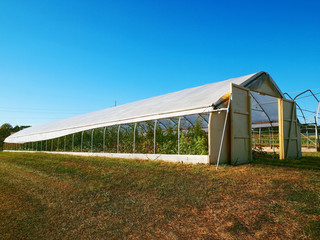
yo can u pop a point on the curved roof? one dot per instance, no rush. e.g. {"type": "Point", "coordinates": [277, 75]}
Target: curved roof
{"type": "Point", "coordinates": [185, 102]}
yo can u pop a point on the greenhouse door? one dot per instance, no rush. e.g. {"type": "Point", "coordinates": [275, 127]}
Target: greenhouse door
{"type": "Point", "coordinates": [289, 132]}
{"type": "Point", "coordinates": [240, 121]}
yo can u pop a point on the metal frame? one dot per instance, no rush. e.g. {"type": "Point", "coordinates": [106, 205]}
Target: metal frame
{"type": "Point", "coordinates": [134, 137]}
{"type": "Point", "coordinates": [179, 123]}
{"type": "Point", "coordinates": [118, 138]}
{"type": "Point", "coordinates": [177, 128]}
{"type": "Point", "coordinates": [72, 142]}
{"type": "Point", "coordinates": [92, 132]}
{"type": "Point", "coordinates": [154, 136]}
{"type": "Point", "coordinates": [81, 141]}
{"type": "Point", "coordinates": [223, 131]}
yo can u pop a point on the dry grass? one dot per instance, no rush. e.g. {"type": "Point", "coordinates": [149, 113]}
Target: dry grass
{"type": "Point", "coordinates": [66, 197]}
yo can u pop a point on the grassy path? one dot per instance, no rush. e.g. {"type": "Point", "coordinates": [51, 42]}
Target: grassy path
{"type": "Point", "coordinates": [67, 197]}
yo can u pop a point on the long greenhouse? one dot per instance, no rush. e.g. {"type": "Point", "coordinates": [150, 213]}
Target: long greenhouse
{"type": "Point", "coordinates": [208, 124]}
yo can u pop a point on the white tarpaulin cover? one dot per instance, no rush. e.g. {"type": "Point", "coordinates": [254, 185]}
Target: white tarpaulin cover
{"type": "Point", "coordinates": [185, 102]}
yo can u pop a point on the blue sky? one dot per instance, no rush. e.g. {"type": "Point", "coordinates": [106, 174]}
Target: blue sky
{"type": "Point", "coordinates": [63, 58]}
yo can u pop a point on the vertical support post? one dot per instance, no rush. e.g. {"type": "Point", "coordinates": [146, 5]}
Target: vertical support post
{"type": "Point", "coordinates": [92, 132]}
{"type": "Point", "coordinates": [316, 121]}
{"type": "Point", "coordinates": [307, 133]}
{"type": "Point", "coordinates": [41, 146]}
{"type": "Point", "coordinates": [281, 130]}
{"type": "Point", "coordinates": [65, 143]}
{"type": "Point", "coordinates": [46, 145]}
{"type": "Point", "coordinates": [179, 123]}
{"type": "Point", "coordinates": [104, 139]}
{"type": "Point", "coordinates": [51, 144]}
{"type": "Point", "coordinates": [32, 146]}
{"type": "Point", "coordinates": [224, 130]}
{"type": "Point", "coordinates": [259, 136]}
{"type": "Point", "coordinates": [118, 138]}
{"type": "Point", "coordinates": [81, 140]}
{"type": "Point", "coordinates": [72, 142]}
{"type": "Point", "coordinates": [316, 133]}
{"type": "Point", "coordinates": [270, 139]}
{"type": "Point", "coordinates": [134, 137]}
{"type": "Point", "coordinates": [154, 136]}
{"type": "Point", "coordinates": [58, 145]}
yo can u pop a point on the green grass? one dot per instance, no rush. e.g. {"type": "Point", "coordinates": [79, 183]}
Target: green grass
{"type": "Point", "coordinates": [66, 197]}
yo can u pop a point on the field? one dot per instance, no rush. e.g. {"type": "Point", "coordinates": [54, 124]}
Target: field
{"type": "Point", "coordinates": [46, 196]}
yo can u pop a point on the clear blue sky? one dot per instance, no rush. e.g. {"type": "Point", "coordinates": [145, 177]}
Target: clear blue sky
{"type": "Point", "coordinates": [63, 58]}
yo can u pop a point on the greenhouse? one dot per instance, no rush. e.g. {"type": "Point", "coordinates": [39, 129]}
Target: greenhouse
{"type": "Point", "coordinates": [208, 124]}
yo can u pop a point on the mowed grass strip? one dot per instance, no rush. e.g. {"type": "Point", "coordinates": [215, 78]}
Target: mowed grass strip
{"type": "Point", "coordinates": [67, 197]}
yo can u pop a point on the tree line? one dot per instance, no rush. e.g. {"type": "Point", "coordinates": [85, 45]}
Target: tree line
{"type": "Point", "coordinates": [6, 130]}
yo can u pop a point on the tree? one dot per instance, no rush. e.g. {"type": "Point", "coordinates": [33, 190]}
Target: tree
{"type": "Point", "coordinates": [6, 130]}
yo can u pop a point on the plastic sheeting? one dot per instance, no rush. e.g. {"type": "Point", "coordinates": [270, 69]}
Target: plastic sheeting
{"type": "Point", "coordinates": [186, 102]}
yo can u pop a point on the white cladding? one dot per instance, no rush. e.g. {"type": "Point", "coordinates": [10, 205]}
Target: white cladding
{"type": "Point", "coordinates": [185, 102]}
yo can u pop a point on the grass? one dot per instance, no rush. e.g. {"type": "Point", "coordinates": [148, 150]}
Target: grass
{"type": "Point", "coordinates": [67, 197]}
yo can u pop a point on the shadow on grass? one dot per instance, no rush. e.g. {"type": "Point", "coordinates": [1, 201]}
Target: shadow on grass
{"type": "Point", "coordinates": [308, 161]}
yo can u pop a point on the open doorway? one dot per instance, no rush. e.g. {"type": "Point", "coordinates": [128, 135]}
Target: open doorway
{"type": "Point", "coordinates": [265, 123]}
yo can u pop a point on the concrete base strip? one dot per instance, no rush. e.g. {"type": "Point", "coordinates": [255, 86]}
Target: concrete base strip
{"type": "Point", "coordinates": [164, 157]}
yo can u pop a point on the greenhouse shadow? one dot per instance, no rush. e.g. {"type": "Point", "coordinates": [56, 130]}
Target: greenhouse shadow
{"type": "Point", "coordinates": [308, 161]}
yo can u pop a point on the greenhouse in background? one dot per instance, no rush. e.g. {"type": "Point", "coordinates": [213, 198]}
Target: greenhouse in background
{"type": "Point", "coordinates": [214, 123]}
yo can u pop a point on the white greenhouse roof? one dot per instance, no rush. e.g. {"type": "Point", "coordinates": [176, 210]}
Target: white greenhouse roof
{"type": "Point", "coordinates": [185, 102]}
